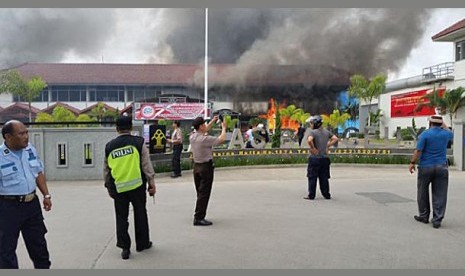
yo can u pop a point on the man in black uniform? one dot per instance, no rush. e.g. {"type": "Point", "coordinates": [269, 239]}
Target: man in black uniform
{"type": "Point", "coordinates": [127, 169]}
{"type": "Point", "coordinates": [176, 142]}
{"type": "Point", "coordinates": [202, 151]}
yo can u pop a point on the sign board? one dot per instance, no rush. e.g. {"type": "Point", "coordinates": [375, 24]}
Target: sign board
{"type": "Point", "coordinates": [169, 111]}
{"type": "Point", "coordinates": [405, 104]}
{"type": "Point", "coordinates": [157, 139]}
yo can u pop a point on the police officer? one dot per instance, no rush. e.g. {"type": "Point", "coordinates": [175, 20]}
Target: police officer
{"type": "Point", "coordinates": [176, 142]}
{"type": "Point", "coordinates": [202, 151]}
{"type": "Point", "coordinates": [320, 140]}
{"type": "Point", "coordinates": [127, 169]}
{"type": "Point", "coordinates": [21, 171]}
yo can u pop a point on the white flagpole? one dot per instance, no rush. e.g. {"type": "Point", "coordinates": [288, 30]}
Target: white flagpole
{"type": "Point", "coordinates": [205, 97]}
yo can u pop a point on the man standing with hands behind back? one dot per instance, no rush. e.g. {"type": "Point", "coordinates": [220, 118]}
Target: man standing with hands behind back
{"type": "Point", "coordinates": [21, 172]}
{"type": "Point", "coordinates": [127, 169]}
{"type": "Point", "coordinates": [202, 151]}
{"type": "Point", "coordinates": [176, 142]}
{"type": "Point", "coordinates": [431, 151]}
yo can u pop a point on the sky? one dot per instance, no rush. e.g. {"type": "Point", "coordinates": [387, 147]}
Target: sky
{"type": "Point", "coordinates": [155, 36]}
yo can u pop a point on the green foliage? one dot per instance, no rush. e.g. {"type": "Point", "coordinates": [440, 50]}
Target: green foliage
{"type": "Point", "coordinates": [164, 122]}
{"type": "Point", "coordinates": [367, 90]}
{"type": "Point", "coordinates": [406, 135]}
{"type": "Point", "coordinates": [256, 120]}
{"type": "Point", "coordinates": [230, 123]}
{"type": "Point", "coordinates": [276, 137]}
{"type": "Point", "coordinates": [61, 114]}
{"type": "Point", "coordinates": [335, 119]}
{"type": "Point", "coordinates": [13, 82]}
{"type": "Point", "coordinates": [352, 109]}
{"type": "Point", "coordinates": [375, 117]}
{"type": "Point", "coordinates": [85, 118]}
{"type": "Point", "coordinates": [449, 103]}
{"type": "Point", "coordinates": [100, 113]}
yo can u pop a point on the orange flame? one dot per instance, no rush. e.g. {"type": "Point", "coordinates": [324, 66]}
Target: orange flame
{"type": "Point", "coordinates": [270, 116]}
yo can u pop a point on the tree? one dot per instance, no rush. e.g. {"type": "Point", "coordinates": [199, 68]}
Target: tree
{"type": "Point", "coordinates": [335, 119]}
{"type": "Point", "coordinates": [449, 103]}
{"type": "Point", "coordinates": [302, 118]}
{"type": "Point", "coordinates": [367, 90]}
{"type": "Point", "coordinates": [43, 117]}
{"type": "Point", "coordinates": [84, 118]}
{"type": "Point", "coordinates": [61, 114]}
{"type": "Point", "coordinates": [352, 109]}
{"type": "Point", "coordinates": [290, 113]}
{"type": "Point", "coordinates": [13, 82]}
{"type": "Point", "coordinates": [100, 112]}
{"type": "Point", "coordinates": [276, 138]}
{"type": "Point", "coordinates": [230, 123]}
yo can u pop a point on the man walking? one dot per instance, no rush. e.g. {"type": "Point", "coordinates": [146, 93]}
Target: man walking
{"type": "Point", "coordinates": [127, 169]}
{"type": "Point", "coordinates": [20, 174]}
{"type": "Point", "coordinates": [176, 142]}
{"type": "Point", "coordinates": [202, 151]}
{"type": "Point", "coordinates": [431, 151]}
{"type": "Point", "coordinates": [320, 140]}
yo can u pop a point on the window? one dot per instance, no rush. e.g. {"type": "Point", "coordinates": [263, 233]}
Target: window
{"type": "Point", "coordinates": [62, 154]}
{"type": "Point", "coordinates": [43, 97]}
{"type": "Point", "coordinates": [88, 155]}
{"type": "Point", "coordinates": [460, 50]}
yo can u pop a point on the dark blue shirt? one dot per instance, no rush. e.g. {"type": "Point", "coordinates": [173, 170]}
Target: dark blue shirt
{"type": "Point", "coordinates": [433, 146]}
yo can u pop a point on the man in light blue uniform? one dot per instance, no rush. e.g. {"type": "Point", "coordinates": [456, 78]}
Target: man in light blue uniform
{"type": "Point", "coordinates": [433, 168]}
{"type": "Point", "coordinates": [21, 171]}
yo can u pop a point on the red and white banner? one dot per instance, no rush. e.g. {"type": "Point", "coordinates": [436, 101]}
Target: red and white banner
{"type": "Point", "coordinates": [169, 111]}
{"type": "Point", "coordinates": [405, 104]}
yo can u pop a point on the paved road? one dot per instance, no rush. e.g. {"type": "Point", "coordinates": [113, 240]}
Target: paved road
{"type": "Point", "coordinates": [261, 221]}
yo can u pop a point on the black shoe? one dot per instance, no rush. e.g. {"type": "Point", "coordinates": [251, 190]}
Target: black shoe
{"type": "Point", "coordinates": [125, 254]}
{"type": "Point", "coordinates": [436, 225]}
{"type": "Point", "coordinates": [202, 222]}
{"type": "Point", "coordinates": [327, 197]}
{"type": "Point", "coordinates": [421, 219]}
{"type": "Point", "coordinates": [149, 245]}
{"type": "Point", "coordinates": [309, 198]}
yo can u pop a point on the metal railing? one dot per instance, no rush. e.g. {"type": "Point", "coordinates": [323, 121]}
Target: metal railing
{"type": "Point", "coordinates": [438, 72]}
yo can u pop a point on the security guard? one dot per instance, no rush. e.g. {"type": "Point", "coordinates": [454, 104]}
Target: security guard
{"type": "Point", "coordinates": [202, 151]}
{"type": "Point", "coordinates": [176, 142]}
{"type": "Point", "coordinates": [127, 169]}
{"type": "Point", "coordinates": [21, 171]}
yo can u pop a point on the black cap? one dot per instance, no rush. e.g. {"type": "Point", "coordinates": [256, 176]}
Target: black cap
{"type": "Point", "coordinates": [198, 122]}
{"type": "Point", "coordinates": [124, 122]}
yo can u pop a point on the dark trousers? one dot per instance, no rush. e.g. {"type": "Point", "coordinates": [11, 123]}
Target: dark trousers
{"type": "Point", "coordinates": [24, 217]}
{"type": "Point", "coordinates": [176, 161]}
{"type": "Point", "coordinates": [438, 176]}
{"type": "Point", "coordinates": [138, 199]}
{"type": "Point", "coordinates": [318, 169]}
{"type": "Point", "coordinates": [203, 179]}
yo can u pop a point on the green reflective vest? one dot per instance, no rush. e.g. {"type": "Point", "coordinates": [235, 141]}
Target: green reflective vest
{"type": "Point", "coordinates": [125, 168]}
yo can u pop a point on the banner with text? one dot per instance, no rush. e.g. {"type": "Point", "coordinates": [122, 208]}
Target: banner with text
{"type": "Point", "coordinates": [406, 104]}
{"type": "Point", "coordinates": [170, 111]}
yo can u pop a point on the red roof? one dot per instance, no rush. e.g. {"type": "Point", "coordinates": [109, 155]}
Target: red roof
{"type": "Point", "coordinates": [19, 105]}
{"type": "Point", "coordinates": [181, 74]}
{"type": "Point", "coordinates": [456, 27]}
{"type": "Point", "coordinates": [49, 109]}
{"type": "Point", "coordinates": [88, 109]}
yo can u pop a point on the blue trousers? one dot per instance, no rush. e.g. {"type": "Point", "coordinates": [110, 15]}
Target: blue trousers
{"type": "Point", "coordinates": [438, 177]}
{"type": "Point", "coordinates": [318, 169]}
{"type": "Point", "coordinates": [24, 217]}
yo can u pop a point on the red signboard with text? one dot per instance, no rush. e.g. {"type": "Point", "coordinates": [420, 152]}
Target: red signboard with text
{"type": "Point", "coordinates": [169, 111]}
{"type": "Point", "coordinates": [406, 104]}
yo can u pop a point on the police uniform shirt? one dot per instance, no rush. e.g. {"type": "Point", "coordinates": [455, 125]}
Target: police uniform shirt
{"type": "Point", "coordinates": [202, 146]}
{"type": "Point", "coordinates": [18, 172]}
{"type": "Point", "coordinates": [177, 137]}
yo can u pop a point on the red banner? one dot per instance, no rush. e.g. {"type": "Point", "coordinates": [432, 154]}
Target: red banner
{"type": "Point", "coordinates": [170, 111]}
{"type": "Point", "coordinates": [406, 104]}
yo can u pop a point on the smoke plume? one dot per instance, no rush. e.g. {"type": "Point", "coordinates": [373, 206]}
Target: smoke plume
{"type": "Point", "coordinates": [48, 35]}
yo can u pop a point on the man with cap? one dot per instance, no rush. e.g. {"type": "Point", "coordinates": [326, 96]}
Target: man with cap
{"type": "Point", "coordinates": [431, 153]}
{"type": "Point", "coordinates": [21, 172]}
{"type": "Point", "coordinates": [127, 169]}
{"type": "Point", "coordinates": [320, 140]}
{"type": "Point", "coordinates": [202, 152]}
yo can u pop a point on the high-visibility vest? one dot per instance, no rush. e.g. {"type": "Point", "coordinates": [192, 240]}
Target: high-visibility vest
{"type": "Point", "coordinates": [125, 168]}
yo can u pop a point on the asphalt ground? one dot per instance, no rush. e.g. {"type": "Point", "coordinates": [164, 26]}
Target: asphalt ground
{"type": "Point", "coordinates": [262, 221]}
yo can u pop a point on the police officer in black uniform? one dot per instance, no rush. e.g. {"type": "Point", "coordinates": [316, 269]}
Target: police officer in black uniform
{"type": "Point", "coordinates": [127, 169]}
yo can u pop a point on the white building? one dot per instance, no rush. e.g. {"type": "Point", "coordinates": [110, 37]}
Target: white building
{"type": "Point", "coordinates": [401, 97]}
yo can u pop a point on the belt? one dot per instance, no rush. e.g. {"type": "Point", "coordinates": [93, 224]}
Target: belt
{"type": "Point", "coordinates": [20, 198]}
{"type": "Point", "coordinates": [204, 163]}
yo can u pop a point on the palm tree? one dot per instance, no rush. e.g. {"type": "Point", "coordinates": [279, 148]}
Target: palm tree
{"type": "Point", "coordinates": [335, 119]}
{"type": "Point", "coordinates": [290, 113]}
{"type": "Point", "coordinates": [449, 103]}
